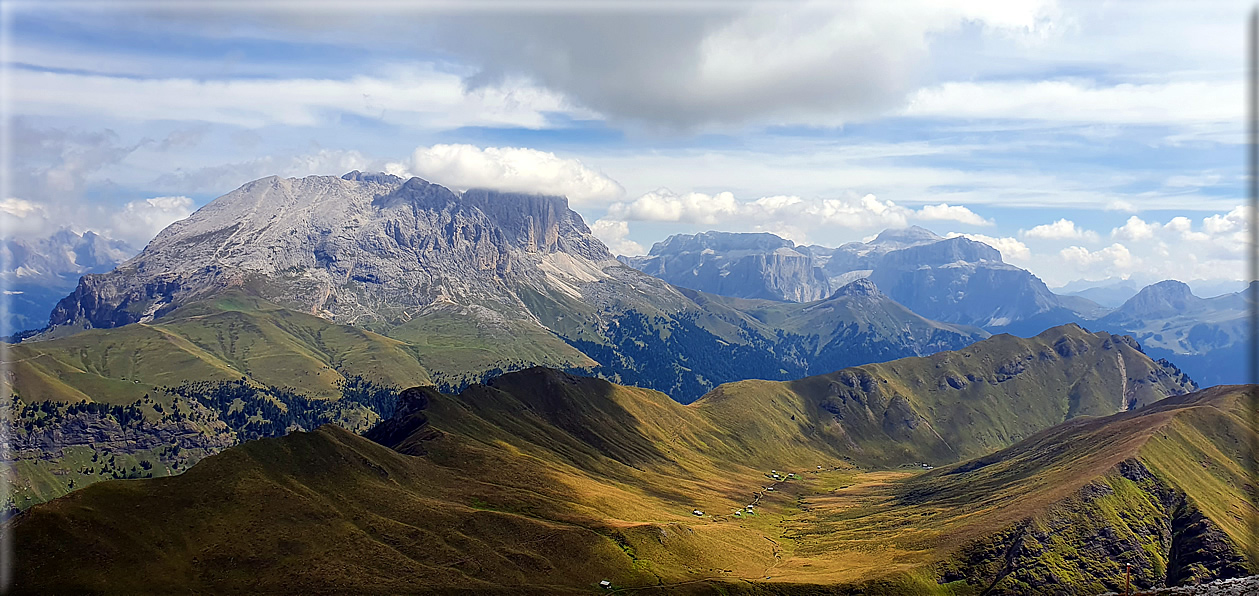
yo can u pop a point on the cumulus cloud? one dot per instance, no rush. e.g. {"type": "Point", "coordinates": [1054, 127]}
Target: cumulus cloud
{"type": "Point", "coordinates": [139, 221]}
{"type": "Point", "coordinates": [1135, 229]}
{"type": "Point", "coordinates": [513, 169]}
{"type": "Point", "coordinates": [788, 214]}
{"type": "Point", "coordinates": [1114, 260]}
{"type": "Point", "coordinates": [1214, 247]}
{"type": "Point", "coordinates": [946, 212]}
{"type": "Point", "coordinates": [615, 234]}
{"type": "Point", "coordinates": [1011, 249]}
{"type": "Point", "coordinates": [1063, 229]}
{"type": "Point", "coordinates": [692, 207]}
{"type": "Point", "coordinates": [23, 218]}
{"type": "Point", "coordinates": [19, 208]}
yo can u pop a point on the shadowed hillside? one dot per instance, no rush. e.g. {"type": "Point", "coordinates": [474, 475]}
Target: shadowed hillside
{"type": "Point", "coordinates": [543, 482]}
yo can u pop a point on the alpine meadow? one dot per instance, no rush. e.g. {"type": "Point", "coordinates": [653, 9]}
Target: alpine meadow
{"type": "Point", "coordinates": [764, 298]}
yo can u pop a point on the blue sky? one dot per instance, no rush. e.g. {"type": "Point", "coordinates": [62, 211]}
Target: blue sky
{"type": "Point", "coordinates": [1085, 140]}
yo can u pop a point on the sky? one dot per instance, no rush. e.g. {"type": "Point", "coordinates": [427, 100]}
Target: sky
{"type": "Point", "coordinates": [1084, 140]}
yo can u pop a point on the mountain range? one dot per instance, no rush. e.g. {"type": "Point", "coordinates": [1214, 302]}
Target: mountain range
{"type": "Point", "coordinates": [479, 281]}
{"type": "Point", "coordinates": [226, 412]}
{"type": "Point", "coordinates": [958, 280]}
{"type": "Point", "coordinates": [39, 272]}
{"type": "Point", "coordinates": [254, 315]}
{"type": "Point", "coordinates": [944, 279]}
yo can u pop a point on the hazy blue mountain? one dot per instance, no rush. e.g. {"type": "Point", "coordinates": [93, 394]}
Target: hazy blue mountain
{"type": "Point", "coordinates": [956, 280]}
{"type": "Point", "coordinates": [962, 281]}
{"type": "Point", "coordinates": [39, 272]}
{"type": "Point", "coordinates": [1206, 337]}
{"type": "Point", "coordinates": [1112, 292]}
{"type": "Point", "coordinates": [1108, 293]}
{"type": "Point", "coordinates": [739, 265]}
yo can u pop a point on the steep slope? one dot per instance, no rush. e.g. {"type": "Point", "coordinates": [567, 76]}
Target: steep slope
{"type": "Point", "coordinates": [958, 404]}
{"type": "Point", "coordinates": [1164, 488]}
{"type": "Point", "coordinates": [540, 482]}
{"type": "Point", "coordinates": [161, 395]}
{"type": "Point", "coordinates": [738, 265]}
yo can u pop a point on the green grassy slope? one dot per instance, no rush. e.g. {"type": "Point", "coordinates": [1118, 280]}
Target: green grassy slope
{"type": "Point", "coordinates": [952, 405]}
{"type": "Point", "coordinates": [225, 338]}
{"type": "Point", "coordinates": [542, 482]}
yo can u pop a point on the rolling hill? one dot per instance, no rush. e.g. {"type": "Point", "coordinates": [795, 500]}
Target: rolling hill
{"type": "Point", "coordinates": [544, 482]}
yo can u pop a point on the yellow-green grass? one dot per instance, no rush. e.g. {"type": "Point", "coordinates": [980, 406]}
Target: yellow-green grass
{"type": "Point", "coordinates": [546, 483]}
{"type": "Point", "coordinates": [226, 338]}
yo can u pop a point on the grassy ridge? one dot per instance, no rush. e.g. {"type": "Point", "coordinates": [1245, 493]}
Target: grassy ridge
{"type": "Point", "coordinates": [227, 338]}
{"type": "Point", "coordinates": [541, 482]}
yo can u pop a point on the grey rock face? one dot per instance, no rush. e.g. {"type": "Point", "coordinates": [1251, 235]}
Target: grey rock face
{"type": "Point", "coordinates": [962, 281]}
{"type": "Point", "coordinates": [355, 249]}
{"type": "Point", "coordinates": [855, 259]}
{"type": "Point", "coordinates": [738, 265]}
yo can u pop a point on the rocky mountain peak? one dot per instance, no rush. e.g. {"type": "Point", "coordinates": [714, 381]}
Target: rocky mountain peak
{"type": "Point", "coordinates": [720, 242]}
{"type": "Point", "coordinates": [860, 287]}
{"type": "Point", "coordinates": [910, 235]}
{"type": "Point", "coordinates": [1165, 297]}
{"type": "Point", "coordinates": [952, 250]}
{"type": "Point", "coordinates": [359, 247]}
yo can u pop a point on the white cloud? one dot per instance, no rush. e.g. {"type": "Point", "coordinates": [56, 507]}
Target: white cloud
{"type": "Point", "coordinates": [513, 169]}
{"type": "Point", "coordinates": [1113, 260]}
{"type": "Point", "coordinates": [141, 220]}
{"type": "Point", "coordinates": [791, 215]}
{"type": "Point", "coordinates": [946, 212]}
{"type": "Point", "coordinates": [1010, 248]}
{"type": "Point", "coordinates": [19, 208]}
{"type": "Point", "coordinates": [1120, 205]}
{"type": "Point", "coordinates": [615, 234]}
{"type": "Point", "coordinates": [418, 97]}
{"type": "Point", "coordinates": [1176, 249]}
{"type": "Point", "coordinates": [1135, 229]}
{"type": "Point", "coordinates": [1063, 229]}
{"type": "Point", "coordinates": [693, 207]}
{"type": "Point", "coordinates": [1236, 220]}
{"type": "Point", "coordinates": [1177, 102]}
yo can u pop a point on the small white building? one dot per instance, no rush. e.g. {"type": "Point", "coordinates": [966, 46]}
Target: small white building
{"type": "Point", "coordinates": [698, 513]}
{"type": "Point", "coordinates": [605, 584]}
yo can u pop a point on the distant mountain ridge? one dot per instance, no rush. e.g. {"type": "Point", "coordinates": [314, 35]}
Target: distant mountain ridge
{"type": "Point", "coordinates": [40, 271]}
{"type": "Point", "coordinates": [476, 282]}
{"type": "Point", "coordinates": [947, 279]}
{"type": "Point", "coordinates": [738, 265]}
{"type": "Point", "coordinates": [1209, 337]}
